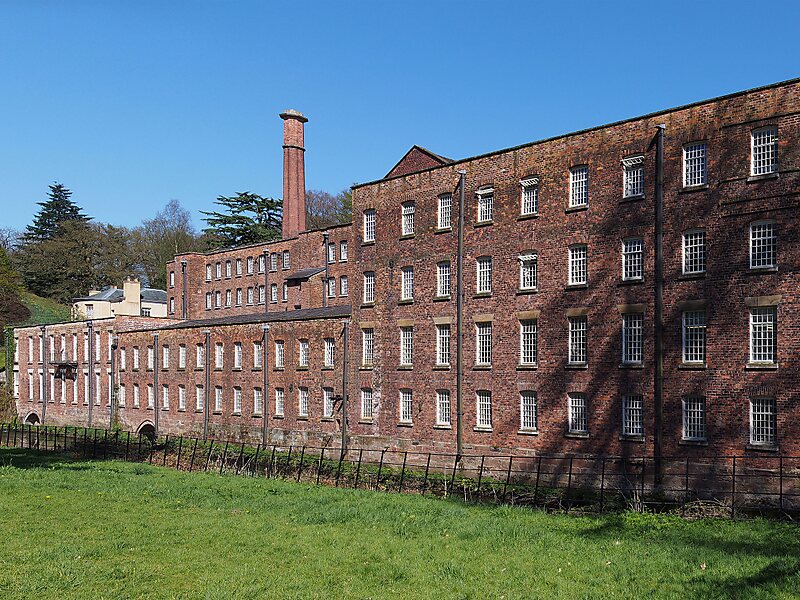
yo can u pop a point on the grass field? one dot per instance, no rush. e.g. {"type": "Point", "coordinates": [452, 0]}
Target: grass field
{"type": "Point", "coordinates": [120, 530]}
{"type": "Point", "coordinates": [43, 311]}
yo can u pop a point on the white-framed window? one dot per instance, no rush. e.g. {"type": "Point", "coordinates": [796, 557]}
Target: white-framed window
{"type": "Point", "coordinates": [250, 268]}
{"type": "Point", "coordinates": [181, 397]}
{"type": "Point", "coordinates": [209, 301]}
{"type": "Point", "coordinates": [632, 338]}
{"type": "Point", "coordinates": [528, 342]}
{"type": "Point", "coordinates": [200, 356]}
{"type": "Point", "coordinates": [528, 270]}
{"type": "Point", "coordinates": [135, 358]}
{"type": "Point", "coordinates": [287, 260]}
{"type": "Point", "coordinates": [578, 186]}
{"type": "Point", "coordinates": [578, 412]}
{"type": "Point", "coordinates": [483, 281]}
{"type": "Point", "coordinates": [763, 422]}
{"type": "Point", "coordinates": [218, 270]}
{"type": "Point", "coordinates": [208, 272]}
{"type": "Point", "coordinates": [327, 402]}
{"type": "Point", "coordinates": [763, 245]}
{"type": "Point", "coordinates": [151, 357]}
{"type": "Point", "coordinates": [258, 401]}
{"type": "Point", "coordinates": [228, 298]}
{"type": "Point", "coordinates": [694, 336]}
{"type": "Point", "coordinates": [303, 353]}
{"type": "Point", "coordinates": [633, 415]}
{"type": "Point", "coordinates": [444, 211]}
{"type": "Point", "coordinates": [218, 299]}
{"type": "Point", "coordinates": [218, 399]}
{"type": "Point", "coordinates": [280, 400]}
{"type": "Point", "coordinates": [258, 358]}
{"type": "Point", "coordinates": [694, 418]}
{"type": "Point", "coordinates": [369, 225]}
{"type": "Point", "coordinates": [237, 355]}
{"type": "Point", "coordinates": [443, 345]}
{"type": "Point", "coordinates": [331, 252]}
{"type": "Point", "coordinates": [331, 287]}
{"type": "Point", "coordinates": [165, 397]}
{"type": "Point", "coordinates": [302, 401]}
{"type": "Point", "coordinates": [633, 176]}
{"type": "Point", "coordinates": [98, 348]}
{"type": "Point", "coordinates": [238, 266]}
{"type": "Point", "coordinates": [633, 259]}
{"type": "Point", "coordinates": [182, 356]}
{"type": "Point", "coordinates": [406, 346]}
{"type": "Point", "coordinates": [151, 396]}
{"type": "Point", "coordinates": [762, 335]}
{"type": "Point", "coordinates": [407, 283]}
{"type": "Point", "coordinates": [238, 296]}
{"type": "Point", "coordinates": [262, 294]}
{"type": "Point", "coordinates": [694, 251]}
{"type": "Point", "coordinates": [343, 251]}
{"type": "Point", "coordinates": [485, 205]}
{"type": "Point", "coordinates": [764, 150]}
{"type": "Point", "coordinates": [172, 305]}
{"type": "Point", "coordinates": [529, 196]}
{"type": "Point", "coordinates": [367, 346]}
{"type": "Point", "coordinates": [237, 400]}
{"type": "Point", "coordinates": [250, 296]}
{"type": "Point", "coordinates": [228, 270]}
{"type": "Point", "coordinates": [369, 287]}
{"type": "Point", "coordinates": [343, 289]}
{"type": "Point", "coordinates": [120, 395]}
{"type": "Point", "coordinates": [366, 403]}
{"type": "Point", "coordinates": [273, 261]}
{"type": "Point", "coordinates": [406, 406]}
{"type": "Point", "coordinates": [165, 357]}
{"type": "Point", "coordinates": [528, 414]}
{"type": "Point", "coordinates": [578, 265]}
{"type": "Point", "coordinates": [577, 354]}
{"type": "Point", "coordinates": [136, 396]}
{"type": "Point", "coordinates": [199, 397]}
{"type": "Point", "coordinates": [483, 343]}
{"type": "Point", "coordinates": [483, 412]}
{"type": "Point", "coordinates": [443, 279]}
{"type": "Point", "coordinates": [694, 164]}
{"type": "Point", "coordinates": [280, 355]}
{"type": "Point", "coordinates": [330, 351]}
{"type": "Point", "coordinates": [443, 408]}
{"type": "Point", "coordinates": [262, 263]}
{"type": "Point", "coordinates": [273, 292]}
{"type": "Point", "coordinates": [123, 359]}
{"type": "Point", "coordinates": [407, 218]}
{"type": "Point", "coordinates": [219, 355]}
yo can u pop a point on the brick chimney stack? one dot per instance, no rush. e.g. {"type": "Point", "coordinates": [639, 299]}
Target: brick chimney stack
{"type": "Point", "coordinates": [294, 174]}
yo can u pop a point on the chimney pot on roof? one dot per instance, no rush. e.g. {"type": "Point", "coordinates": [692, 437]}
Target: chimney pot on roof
{"type": "Point", "coordinates": [294, 173]}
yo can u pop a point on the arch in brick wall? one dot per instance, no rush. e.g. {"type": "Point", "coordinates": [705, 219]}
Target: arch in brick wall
{"type": "Point", "coordinates": [31, 419]}
{"type": "Point", "coordinates": [147, 429]}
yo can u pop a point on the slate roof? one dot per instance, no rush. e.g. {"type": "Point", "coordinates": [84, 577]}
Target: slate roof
{"type": "Point", "coordinates": [305, 273]}
{"type": "Point", "coordinates": [111, 294]}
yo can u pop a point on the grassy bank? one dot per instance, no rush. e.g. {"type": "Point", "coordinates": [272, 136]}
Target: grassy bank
{"type": "Point", "coordinates": [118, 530]}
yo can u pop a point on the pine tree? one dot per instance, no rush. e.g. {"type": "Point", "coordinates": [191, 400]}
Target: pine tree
{"type": "Point", "coordinates": [248, 218]}
{"type": "Point", "coordinates": [57, 209]}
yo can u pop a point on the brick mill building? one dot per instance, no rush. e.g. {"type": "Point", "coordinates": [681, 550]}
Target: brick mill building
{"type": "Point", "coordinates": [628, 289]}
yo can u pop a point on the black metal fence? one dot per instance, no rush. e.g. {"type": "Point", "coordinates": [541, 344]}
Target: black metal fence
{"type": "Point", "coordinates": [725, 485]}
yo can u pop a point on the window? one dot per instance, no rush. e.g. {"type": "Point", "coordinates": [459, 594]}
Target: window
{"type": "Point", "coordinates": [577, 409]}
{"type": "Point", "coordinates": [443, 279]}
{"type": "Point", "coordinates": [528, 418]}
{"type": "Point", "coordinates": [151, 358]}
{"type": "Point", "coordinates": [217, 299]}
{"type": "Point", "coordinates": [181, 397]}
{"type": "Point", "coordinates": [331, 287]}
{"type": "Point", "coordinates": [369, 226]}
{"type": "Point", "coordinates": [199, 398]}
{"type": "Point", "coordinates": [327, 402]}
{"type": "Point", "coordinates": [633, 259]}
{"type": "Point", "coordinates": [250, 296]}
{"type": "Point", "coordinates": [343, 285]}
{"type": "Point", "coordinates": [331, 252]}
{"type": "Point", "coordinates": [483, 344]}
{"type": "Point", "coordinates": [136, 398]}
{"type": "Point", "coordinates": [367, 346]}
{"type": "Point", "coordinates": [262, 294]}
{"type": "Point", "coordinates": [694, 251]}
{"type": "Point", "coordinates": [633, 415]}
{"type": "Point", "coordinates": [484, 275]}
{"type": "Point", "coordinates": [406, 406]}
{"type": "Point", "coordinates": [764, 151]}
{"type": "Point", "coordinates": [369, 287]}
{"type": "Point", "coordinates": [237, 400]}
{"type": "Point", "coordinates": [343, 251]}
{"type": "Point", "coordinates": [228, 298]}
{"type": "Point", "coordinates": [238, 296]}
{"type": "Point", "coordinates": [89, 311]}
{"type": "Point", "coordinates": [527, 342]}
{"type": "Point", "coordinates": [135, 358]}
{"type": "Point", "coordinates": [443, 345]}
{"type": "Point", "coordinates": [763, 422]}
{"type": "Point", "coordinates": [218, 269]}
{"type": "Point", "coordinates": [528, 271]}
{"type": "Point", "coordinates": [208, 272]}
{"type": "Point", "coordinates": [273, 292]}
{"type": "Point", "coordinates": [165, 397]}
{"type": "Point", "coordinates": [262, 262]}
{"type": "Point", "coordinates": [632, 338]}
{"type": "Point", "coordinates": [444, 211]}
{"type": "Point", "coordinates": [237, 355]}
{"type": "Point", "coordinates": [302, 401]}
{"type": "Point", "coordinates": [123, 359]}
{"type": "Point", "coordinates": [443, 408]}
{"type": "Point", "coordinates": [228, 271]}
{"type": "Point", "coordinates": [182, 356]}
{"type": "Point", "coordinates": [366, 403]}
{"type": "Point", "coordinates": [151, 396]}
{"type": "Point", "coordinates": [694, 336]}
{"type": "Point", "coordinates": [258, 401]}
{"type": "Point", "coordinates": [238, 266]}
{"type": "Point", "coordinates": [218, 399]}
{"type": "Point", "coordinates": [577, 340]}
{"type": "Point", "coordinates": [121, 395]}
{"type": "Point", "coordinates": [406, 346]}
{"type": "Point", "coordinates": [485, 205]}
{"type": "Point", "coordinates": [165, 357]}
{"type": "Point", "coordinates": [285, 292]}
{"type": "Point", "coordinates": [578, 268]}
{"type": "Point", "coordinates": [762, 335]}
{"type": "Point", "coordinates": [172, 306]}
{"type": "Point", "coordinates": [484, 409]}
{"type": "Point", "coordinates": [408, 219]}
{"type": "Point", "coordinates": [529, 197]}
{"type": "Point", "coordinates": [98, 348]}
{"type": "Point", "coordinates": [330, 351]}
{"type": "Point", "coordinates": [633, 176]}
{"type": "Point", "coordinates": [219, 358]}
{"type": "Point", "coordinates": [273, 262]}
{"type": "Point", "coordinates": [694, 164]}
{"type": "Point", "coordinates": [578, 186]}
{"type": "Point", "coordinates": [200, 356]}
{"type": "Point", "coordinates": [287, 261]}
{"type": "Point", "coordinates": [763, 245]}
{"type": "Point", "coordinates": [407, 283]}
{"type": "Point", "coordinates": [279, 354]}
{"type": "Point", "coordinates": [209, 301]}
{"type": "Point", "coordinates": [694, 418]}
{"type": "Point", "coordinates": [258, 358]}
{"type": "Point", "coordinates": [303, 354]}
{"type": "Point", "coordinates": [249, 265]}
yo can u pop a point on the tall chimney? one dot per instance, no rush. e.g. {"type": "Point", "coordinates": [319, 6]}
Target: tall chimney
{"type": "Point", "coordinates": [294, 174]}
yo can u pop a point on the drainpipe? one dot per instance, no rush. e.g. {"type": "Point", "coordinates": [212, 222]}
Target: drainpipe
{"type": "Point", "coordinates": [114, 345]}
{"type": "Point", "coordinates": [45, 372]}
{"type": "Point", "coordinates": [459, 319]}
{"type": "Point", "coordinates": [265, 393]}
{"type": "Point", "coordinates": [344, 383]}
{"type": "Point", "coordinates": [184, 310]}
{"type": "Point", "coordinates": [156, 395]}
{"type": "Point", "coordinates": [207, 367]}
{"type": "Point", "coordinates": [266, 281]}
{"type": "Point", "coordinates": [325, 238]}
{"type": "Point", "coordinates": [658, 393]}
{"type": "Point", "coordinates": [90, 367]}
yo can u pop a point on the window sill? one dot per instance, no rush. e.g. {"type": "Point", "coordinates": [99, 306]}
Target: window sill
{"type": "Point", "coordinates": [632, 366]}
{"type": "Point", "coordinates": [527, 292]}
{"type": "Point", "coordinates": [198, 410]}
{"type": "Point", "coordinates": [236, 369]}
{"type": "Point", "coordinates": [528, 217]}
{"type": "Point", "coordinates": [301, 368]}
{"type": "Point", "coordinates": [443, 426]}
{"type": "Point", "coordinates": [625, 282]}
{"type": "Point", "coordinates": [481, 429]}
{"type": "Point", "coordinates": [530, 367]}
{"type": "Point", "coordinates": [364, 421]}
{"type": "Point", "coordinates": [761, 366]}
{"type": "Point", "coordinates": [405, 424]}
{"type": "Point", "coordinates": [256, 369]}
{"type": "Point", "coordinates": [277, 417]}
{"type": "Point", "coordinates": [762, 270]}
{"type": "Point", "coordinates": [762, 447]}
{"type": "Point", "coordinates": [441, 298]}
{"type": "Point", "coordinates": [302, 417]}
{"type": "Point", "coordinates": [328, 368]}
{"type": "Point", "coordinates": [695, 188]}
{"type": "Point", "coordinates": [576, 435]}
{"type": "Point", "coordinates": [577, 366]}
{"type": "Point", "coordinates": [441, 367]}
{"type": "Point", "coordinates": [483, 295]}
{"type": "Point", "coordinates": [405, 302]}
{"type": "Point", "coordinates": [407, 236]}
{"type": "Point", "coordinates": [367, 305]}
{"type": "Point", "coordinates": [692, 366]}
{"type": "Point", "coordinates": [483, 223]}
{"type": "Point", "coordinates": [481, 367]}
{"type": "Point", "coordinates": [574, 209]}
{"type": "Point", "coordinates": [256, 416]}
{"type": "Point", "coordinates": [236, 414]}
{"type": "Point", "coordinates": [691, 276]}
{"type": "Point", "coordinates": [764, 177]}
{"type": "Point", "coordinates": [198, 369]}
{"type": "Point", "coordinates": [576, 286]}
{"type": "Point", "coordinates": [405, 367]}
{"type": "Point", "coordinates": [443, 230]}
{"type": "Point", "coordinates": [528, 432]}
{"type": "Point", "coordinates": [278, 368]}
{"type": "Point", "coordinates": [372, 243]}
{"type": "Point", "coordinates": [701, 443]}
{"type": "Point", "coordinates": [627, 199]}
{"type": "Point", "coordinates": [366, 367]}
{"type": "Point", "coordinates": [216, 412]}
{"type": "Point", "coordinates": [639, 439]}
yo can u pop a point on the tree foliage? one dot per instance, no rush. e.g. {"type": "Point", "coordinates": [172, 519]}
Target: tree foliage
{"type": "Point", "coordinates": [11, 308]}
{"type": "Point", "coordinates": [324, 209]}
{"type": "Point", "coordinates": [247, 218]}
{"type": "Point", "coordinates": [56, 210]}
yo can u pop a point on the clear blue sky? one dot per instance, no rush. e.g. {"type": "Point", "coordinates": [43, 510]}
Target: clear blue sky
{"type": "Point", "coordinates": [130, 104]}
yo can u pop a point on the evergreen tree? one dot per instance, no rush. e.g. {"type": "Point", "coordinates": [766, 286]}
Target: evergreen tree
{"type": "Point", "coordinates": [248, 218]}
{"type": "Point", "coordinates": [57, 209]}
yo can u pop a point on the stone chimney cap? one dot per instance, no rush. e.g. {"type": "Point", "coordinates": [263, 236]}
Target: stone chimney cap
{"type": "Point", "coordinates": [294, 114]}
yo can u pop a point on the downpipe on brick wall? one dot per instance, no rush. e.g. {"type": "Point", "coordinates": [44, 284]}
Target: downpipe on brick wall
{"type": "Point", "coordinates": [206, 390]}
{"type": "Point", "coordinates": [266, 281]}
{"type": "Point", "coordinates": [90, 366]}
{"type": "Point", "coordinates": [45, 374]}
{"type": "Point", "coordinates": [658, 387]}
{"type": "Point", "coordinates": [184, 311]}
{"type": "Point", "coordinates": [345, 383]}
{"type": "Point", "coordinates": [156, 395]}
{"type": "Point", "coordinates": [459, 320]}
{"type": "Point", "coordinates": [113, 383]}
{"type": "Point", "coordinates": [325, 238]}
{"type": "Point", "coordinates": [265, 393]}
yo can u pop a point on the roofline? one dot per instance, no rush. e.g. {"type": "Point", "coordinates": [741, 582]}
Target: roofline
{"type": "Point", "coordinates": [40, 325]}
{"type": "Point", "coordinates": [588, 130]}
{"type": "Point", "coordinates": [442, 159]}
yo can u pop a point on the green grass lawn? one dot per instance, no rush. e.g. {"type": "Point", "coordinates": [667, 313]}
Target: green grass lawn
{"type": "Point", "coordinates": [121, 530]}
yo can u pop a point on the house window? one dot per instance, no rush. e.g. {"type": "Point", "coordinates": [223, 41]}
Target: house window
{"type": "Point", "coordinates": [121, 395]}
{"type": "Point", "coordinates": [343, 251]}
{"type": "Point", "coordinates": [199, 398]}
{"type": "Point", "coordinates": [694, 418]}
{"type": "Point", "coordinates": [228, 298]}
{"type": "Point", "coordinates": [331, 287]}
{"type": "Point", "coordinates": [218, 399]}
{"type": "Point", "coordinates": [302, 402]}
{"type": "Point", "coordinates": [577, 340]}
{"type": "Point", "coordinates": [484, 275]}
{"type": "Point", "coordinates": [123, 359]}
{"type": "Point", "coordinates": [200, 356]}
{"type": "Point", "coordinates": [764, 151]}
{"type": "Point", "coordinates": [273, 262]}
{"type": "Point", "coordinates": [406, 406]}
{"type": "Point", "coordinates": [444, 211]}
{"type": "Point", "coordinates": [366, 403]}
{"type": "Point", "coordinates": [165, 397]}
{"type": "Point", "coordinates": [258, 401]}
{"type": "Point", "coordinates": [632, 338]}
{"type": "Point", "coordinates": [151, 395]}
{"type": "Point", "coordinates": [484, 409]}
{"type": "Point", "coordinates": [218, 269]}
{"type": "Point", "coordinates": [258, 358]}
{"type": "Point", "coordinates": [633, 176]}
{"type": "Point", "coordinates": [89, 311]}
{"type": "Point", "coordinates": [529, 197]}
{"type": "Point", "coordinates": [369, 287]}
{"type": "Point", "coordinates": [633, 259]}
{"type": "Point", "coordinates": [343, 285]}
{"type": "Point", "coordinates": [330, 350]}
{"type": "Point", "coordinates": [219, 355]}
{"type": "Point", "coordinates": [303, 353]}
{"type": "Point", "coordinates": [633, 415]}
{"type": "Point", "coordinates": [237, 400]}
{"type": "Point", "coordinates": [528, 417]}
{"type": "Point", "coordinates": [694, 336]}
{"type": "Point", "coordinates": [407, 283]}
{"type": "Point", "coordinates": [237, 355]}
{"type": "Point", "coordinates": [763, 245]}
{"type": "Point", "coordinates": [407, 218]}
{"type": "Point", "coordinates": [527, 342]}
{"type": "Point", "coordinates": [261, 294]}
{"type": "Point", "coordinates": [367, 346]}
{"type": "Point", "coordinates": [238, 266]}
{"type": "Point", "coordinates": [181, 397]}
{"type": "Point", "coordinates": [694, 164]}
{"type": "Point", "coordinates": [208, 272]}
{"type": "Point", "coordinates": [331, 252]}
{"type": "Point", "coordinates": [165, 357]}
{"type": "Point", "coordinates": [250, 295]}
{"type": "Point", "coordinates": [443, 279]}
{"type": "Point", "coordinates": [763, 422]}
{"type": "Point", "coordinates": [151, 358]}
{"type": "Point", "coordinates": [443, 408]}
{"type": "Point", "coordinates": [249, 265]}
{"type": "Point", "coordinates": [485, 205]}
{"type": "Point", "coordinates": [172, 305]}
{"type": "Point", "coordinates": [238, 296]}
{"type": "Point", "coordinates": [285, 292]}
{"type": "Point", "coordinates": [136, 396]}
{"type": "Point", "coordinates": [273, 292]}
{"type": "Point", "coordinates": [218, 299]}
{"type": "Point", "coordinates": [762, 335]}
{"type": "Point", "coordinates": [279, 354]}
{"type": "Point", "coordinates": [135, 358]}
{"type": "Point", "coordinates": [577, 413]}
{"type": "Point", "coordinates": [483, 344]}
{"type": "Point", "coordinates": [287, 261]}
{"type": "Point", "coordinates": [528, 271]}
{"type": "Point", "coordinates": [578, 186]}
{"type": "Point", "coordinates": [578, 268]}
{"type": "Point", "coordinates": [369, 225]}
{"type": "Point", "coordinates": [227, 268]}
{"type": "Point", "coordinates": [694, 251]}
{"type": "Point", "coordinates": [262, 262]}
{"type": "Point", "coordinates": [182, 356]}
{"type": "Point", "coordinates": [279, 401]}
{"type": "Point", "coordinates": [406, 346]}
{"type": "Point", "coordinates": [443, 345]}
{"type": "Point", "coordinates": [327, 402]}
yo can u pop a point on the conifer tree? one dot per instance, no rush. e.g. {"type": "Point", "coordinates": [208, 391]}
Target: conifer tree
{"type": "Point", "coordinates": [248, 218]}
{"type": "Point", "coordinates": [57, 209]}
